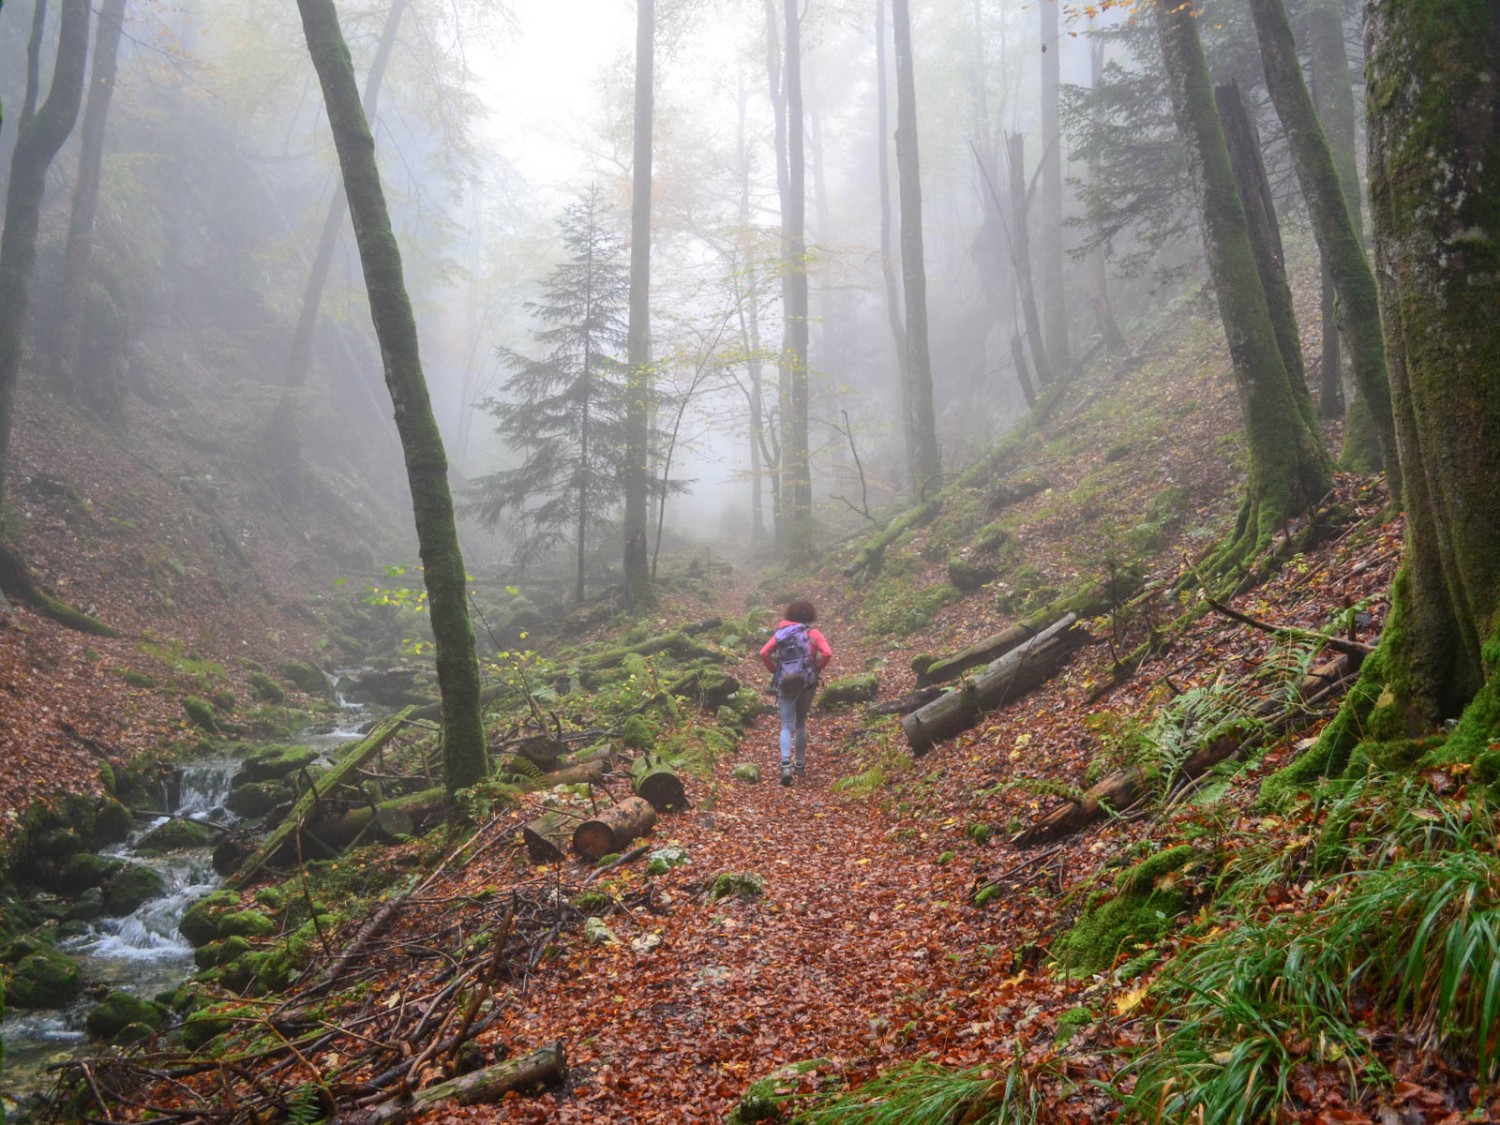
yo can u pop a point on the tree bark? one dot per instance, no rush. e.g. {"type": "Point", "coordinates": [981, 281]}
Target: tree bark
{"type": "Point", "coordinates": [1020, 247]}
{"type": "Point", "coordinates": [1023, 373]}
{"type": "Point", "coordinates": [464, 758]}
{"type": "Point", "coordinates": [1337, 236]}
{"type": "Point", "coordinates": [928, 469]}
{"type": "Point", "coordinates": [94, 389]}
{"type": "Point", "coordinates": [41, 133]}
{"type": "Point", "coordinates": [887, 271]}
{"type": "Point", "coordinates": [1054, 301]}
{"type": "Point", "coordinates": [1288, 467]}
{"type": "Point", "coordinates": [1002, 682]}
{"type": "Point", "coordinates": [614, 827]}
{"type": "Point", "coordinates": [659, 784]}
{"type": "Point", "coordinates": [638, 346]}
{"type": "Point", "coordinates": [1104, 312]}
{"type": "Point", "coordinates": [782, 492]}
{"type": "Point", "coordinates": [547, 837]}
{"type": "Point", "coordinates": [1243, 140]}
{"type": "Point", "coordinates": [797, 462]}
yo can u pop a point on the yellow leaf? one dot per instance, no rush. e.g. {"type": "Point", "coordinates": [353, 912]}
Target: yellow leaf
{"type": "Point", "coordinates": [1131, 1000]}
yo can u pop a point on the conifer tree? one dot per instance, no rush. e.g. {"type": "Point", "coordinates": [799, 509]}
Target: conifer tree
{"type": "Point", "coordinates": [564, 413]}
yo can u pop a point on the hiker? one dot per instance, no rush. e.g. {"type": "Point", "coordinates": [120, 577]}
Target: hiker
{"type": "Point", "coordinates": [795, 655]}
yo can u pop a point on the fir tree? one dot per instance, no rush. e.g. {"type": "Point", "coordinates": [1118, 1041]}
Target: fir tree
{"type": "Point", "coordinates": [564, 413]}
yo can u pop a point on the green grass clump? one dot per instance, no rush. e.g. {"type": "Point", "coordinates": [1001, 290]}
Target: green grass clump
{"type": "Point", "coordinates": [922, 1092]}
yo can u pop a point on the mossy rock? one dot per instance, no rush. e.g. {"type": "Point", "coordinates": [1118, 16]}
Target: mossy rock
{"type": "Point", "coordinates": [273, 763]}
{"type": "Point", "coordinates": [850, 689]}
{"type": "Point", "coordinates": [87, 907]}
{"type": "Point", "coordinates": [256, 798]}
{"type": "Point", "coordinates": [200, 922]}
{"type": "Point", "coordinates": [119, 1012]}
{"type": "Point", "coordinates": [111, 824]}
{"type": "Point", "coordinates": [640, 733]}
{"type": "Point", "coordinates": [246, 923]}
{"type": "Point", "coordinates": [263, 689]}
{"type": "Point", "coordinates": [968, 578]}
{"type": "Point", "coordinates": [747, 771]}
{"type": "Point", "coordinates": [79, 872]}
{"type": "Point", "coordinates": [131, 886]}
{"type": "Point", "coordinates": [736, 884]}
{"type": "Point", "coordinates": [53, 842]}
{"type": "Point", "coordinates": [200, 713]}
{"type": "Point", "coordinates": [177, 834]}
{"type": "Point", "coordinates": [769, 1098]}
{"type": "Point", "coordinates": [207, 1023]}
{"type": "Point", "coordinates": [44, 979]}
{"type": "Point", "coordinates": [217, 953]}
{"type": "Point", "coordinates": [307, 678]}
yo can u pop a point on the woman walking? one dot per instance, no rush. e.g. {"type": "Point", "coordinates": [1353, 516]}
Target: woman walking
{"type": "Point", "coordinates": [795, 655]}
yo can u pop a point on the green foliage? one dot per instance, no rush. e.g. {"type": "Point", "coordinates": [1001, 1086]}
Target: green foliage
{"type": "Point", "coordinates": [265, 689]}
{"type": "Point", "coordinates": [201, 713]}
{"type": "Point", "coordinates": [736, 884]}
{"type": "Point", "coordinates": [1138, 915]}
{"type": "Point", "coordinates": [922, 1092]}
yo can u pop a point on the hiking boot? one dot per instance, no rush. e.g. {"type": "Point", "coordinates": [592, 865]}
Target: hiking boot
{"type": "Point", "coordinates": [801, 770]}
{"type": "Point", "coordinates": [786, 775]}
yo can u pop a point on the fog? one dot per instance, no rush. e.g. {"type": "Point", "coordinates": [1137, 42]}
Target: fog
{"type": "Point", "coordinates": [218, 175]}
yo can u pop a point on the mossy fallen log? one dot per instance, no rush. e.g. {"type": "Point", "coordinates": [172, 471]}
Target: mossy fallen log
{"type": "Point", "coordinates": [400, 816]}
{"type": "Point", "coordinates": [677, 644]}
{"type": "Point", "coordinates": [306, 806]}
{"type": "Point", "coordinates": [1004, 681]}
{"type": "Point", "coordinates": [1123, 788]}
{"type": "Point", "coordinates": [527, 1074]}
{"type": "Point", "coordinates": [548, 836]}
{"type": "Point", "coordinates": [658, 783]}
{"type": "Point", "coordinates": [590, 772]}
{"type": "Point", "coordinates": [614, 827]}
{"type": "Point", "coordinates": [872, 555]}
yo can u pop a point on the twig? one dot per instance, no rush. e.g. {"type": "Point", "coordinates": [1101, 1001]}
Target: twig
{"type": "Point", "coordinates": [1339, 644]}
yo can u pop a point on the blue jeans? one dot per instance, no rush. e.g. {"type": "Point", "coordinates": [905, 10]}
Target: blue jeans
{"type": "Point", "coordinates": [794, 709]}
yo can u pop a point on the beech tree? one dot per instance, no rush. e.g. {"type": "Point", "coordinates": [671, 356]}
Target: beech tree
{"type": "Point", "coordinates": [638, 568]}
{"type": "Point", "coordinates": [465, 757]}
{"type": "Point", "coordinates": [1288, 467]}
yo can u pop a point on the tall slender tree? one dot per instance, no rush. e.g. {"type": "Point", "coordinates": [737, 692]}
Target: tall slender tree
{"type": "Point", "coordinates": [887, 257]}
{"type": "Point", "coordinates": [40, 134]}
{"type": "Point", "coordinates": [1054, 298]}
{"type": "Point", "coordinates": [94, 388]}
{"type": "Point", "coordinates": [638, 359]}
{"type": "Point", "coordinates": [1288, 467]}
{"type": "Point", "coordinates": [465, 759]}
{"type": "Point", "coordinates": [928, 470]}
{"type": "Point", "coordinates": [1332, 225]}
{"type": "Point", "coordinates": [783, 494]}
{"type": "Point", "coordinates": [797, 459]}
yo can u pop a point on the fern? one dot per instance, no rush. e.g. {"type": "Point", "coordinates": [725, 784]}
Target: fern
{"type": "Point", "coordinates": [307, 1105]}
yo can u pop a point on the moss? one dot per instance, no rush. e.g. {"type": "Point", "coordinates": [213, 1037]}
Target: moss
{"type": "Point", "coordinates": [640, 733]}
{"type": "Point", "coordinates": [200, 922]}
{"type": "Point", "coordinates": [175, 834]}
{"type": "Point", "coordinates": [1070, 1023]}
{"type": "Point", "coordinates": [861, 688]}
{"type": "Point", "coordinates": [119, 1012]}
{"type": "Point", "coordinates": [112, 824]}
{"type": "Point", "coordinates": [307, 678]}
{"type": "Point", "coordinates": [736, 884]}
{"type": "Point", "coordinates": [274, 763]}
{"type": "Point", "coordinates": [44, 979]}
{"type": "Point", "coordinates": [130, 887]}
{"type": "Point", "coordinates": [747, 771]}
{"type": "Point", "coordinates": [266, 690]}
{"type": "Point", "coordinates": [1143, 876]}
{"type": "Point", "coordinates": [206, 1023]}
{"type": "Point", "coordinates": [246, 923]}
{"type": "Point", "coordinates": [200, 713]}
{"type": "Point", "coordinates": [1125, 923]}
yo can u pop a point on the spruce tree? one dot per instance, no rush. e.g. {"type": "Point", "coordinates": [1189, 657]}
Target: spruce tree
{"type": "Point", "coordinates": [564, 413]}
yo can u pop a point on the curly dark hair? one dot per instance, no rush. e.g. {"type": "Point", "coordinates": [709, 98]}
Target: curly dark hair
{"type": "Point", "coordinates": [801, 610]}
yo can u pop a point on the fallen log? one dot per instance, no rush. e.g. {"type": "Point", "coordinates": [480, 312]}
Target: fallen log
{"type": "Point", "coordinates": [529, 1073]}
{"type": "Point", "coordinates": [872, 555]}
{"type": "Point", "coordinates": [658, 783]}
{"type": "Point", "coordinates": [676, 643]}
{"type": "Point", "coordinates": [547, 837]}
{"type": "Point", "coordinates": [1003, 681]}
{"type": "Point", "coordinates": [614, 827]}
{"type": "Point", "coordinates": [590, 772]}
{"type": "Point", "coordinates": [1123, 788]}
{"type": "Point", "coordinates": [307, 804]}
{"type": "Point", "coordinates": [907, 703]}
{"type": "Point", "coordinates": [399, 816]}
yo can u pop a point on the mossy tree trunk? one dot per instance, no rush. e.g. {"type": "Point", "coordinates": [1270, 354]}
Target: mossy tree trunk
{"type": "Point", "coordinates": [1434, 121]}
{"type": "Point", "coordinates": [1288, 466]}
{"type": "Point", "coordinates": [1338, 238]}
{"type": "Point", "coordinates": [94, 389]}
{"type": "Point", "coordinates": [464, 756]}
{"type": "Point", "coordinates": [928, 469]}
{"type": "Point", "coordinates": [40, 135]}
{"type": "Point", "coordinates": [638, 346]}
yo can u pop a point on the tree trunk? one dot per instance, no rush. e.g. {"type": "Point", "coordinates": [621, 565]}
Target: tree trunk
{"type": "Point", "coordinates": [541, 1068]}
{"type": "Point", "coordinates": [95, 389]}
{"type": "Point", "coordinates": [614, 827]}
{"type": "Point", "coordinates": [1020, 248]}
{"type": "Point", "coordinates": [658, 783]}
{"type": "Point", "coordinates": [464, 758]}
{"type": "Point", "coordinates": [1023, 373]}
{"type": "Point", "coordinates": [638, 347]}
{"type": "Point", "coordinates": [1338, 238]}
{"type": "Point", "coordinates": [1054, 302]}
{"type": "Point", "coordinates": [283, 443]}
{"type": "Point", "coordinates": [887, 271]}
{"type": "Point", "coordinates": [929, 465]}
{"type": "Point", "coordinates": [547, 837]}
{"type": "Point", "coordinates": [1243, 139]}
{"type": "Point", "coordinates": [797, 463]}
{"type": "Point", "coordinates": [1104, 312]}
{"type": "Point", "coordinates": [41, 134]}
{"type": "Point", "coordinates": [1288, 467]}
{"type": "Point", "coordinates": [1003, 682]}
{"type": "Point", "coordinates": [1434, 111]}
{"type": "Point", "coordinates": [782, 499]}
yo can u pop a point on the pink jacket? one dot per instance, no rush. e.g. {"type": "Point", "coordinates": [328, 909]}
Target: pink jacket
{"type": "Point", "coordinates": [822, 654]}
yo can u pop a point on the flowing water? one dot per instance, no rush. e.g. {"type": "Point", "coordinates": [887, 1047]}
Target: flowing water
{"type": "Point", "coordinates": [142, 953]}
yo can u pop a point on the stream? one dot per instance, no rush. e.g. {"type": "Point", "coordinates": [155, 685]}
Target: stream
{"type": "Point", "coordinates": [141, 953]}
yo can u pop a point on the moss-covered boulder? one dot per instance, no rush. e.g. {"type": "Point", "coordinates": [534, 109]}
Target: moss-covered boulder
{"type": "Point", "coordinates": [200, 713]}
{"type": "Point", "coordinates": [205, 1023]}
{"type": "Point", "coordinates": [120, 1011]}
{"type": "Point", "coordinates": [263, 689]}
{"type": "Point", "coordinates": [217, 953]}
{"type": "Point", "coordinates": [748, 772]}
{"type": "Point", "coordinates": [1146, 904]}
{"type": "Point", "coordinates": [256, 798]}
{"type": "Point", "coordinates": [273, 763]}
{"type": "Point", "coordinates": [87, 907]}
{"type": "Point", "coordinates": [131, 886]}
{"type": "Point", "coordinates": [175, 835]}
{"type": "Point", "coordinates": [200, 922]}
{"type": "Point", "coordinates": [43, 979]}
{"type": "Point", "coordinates": [246, 923]}
{"type": "Point", "coordinates": [79, 872]}
{"type": "Point", "coordinates": [307, 678]}
{"type": "Point", "coordinates": [851, 689]}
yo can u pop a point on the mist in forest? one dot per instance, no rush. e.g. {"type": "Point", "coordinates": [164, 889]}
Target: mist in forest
{"type": "Point", "coordinates": [219, 279]}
